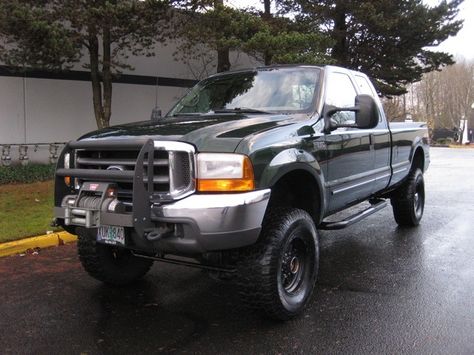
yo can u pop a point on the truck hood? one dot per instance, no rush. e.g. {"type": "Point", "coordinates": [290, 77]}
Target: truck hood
{"type": "Point", "coordinates": [219, 133]}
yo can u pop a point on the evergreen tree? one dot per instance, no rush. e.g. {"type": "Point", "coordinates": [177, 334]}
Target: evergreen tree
{"type": "Point", "coordinates": [271, 38]}
{"type": "Point", "coordinates": [55, 34]}
{"type": "Point", "coordinates": [217, 27]}
{"type": "Point", "coordinates": [388, 40]}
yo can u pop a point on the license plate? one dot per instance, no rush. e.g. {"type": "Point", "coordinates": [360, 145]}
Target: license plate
{"type": "Point", "coordinates": [111, 235]}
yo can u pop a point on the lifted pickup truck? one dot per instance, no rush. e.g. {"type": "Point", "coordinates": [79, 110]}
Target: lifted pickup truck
{"type": "Point", "coordinates": [237, 179]}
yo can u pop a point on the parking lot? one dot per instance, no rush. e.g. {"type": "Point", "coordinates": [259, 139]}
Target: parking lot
{"type": "Point", "coordinates": [381, 289]}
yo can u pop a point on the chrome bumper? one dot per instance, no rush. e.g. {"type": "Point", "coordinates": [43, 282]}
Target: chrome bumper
{"type": "Point", "coordinates": [193, 225]}
{"type": "Point", "coordinates": [213, 222]}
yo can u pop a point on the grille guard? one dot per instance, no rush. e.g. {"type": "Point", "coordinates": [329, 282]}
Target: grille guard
{"type": "Point", "coordinates": [141, 196]}
{"type": "Point", "coordinates": [142, 179]}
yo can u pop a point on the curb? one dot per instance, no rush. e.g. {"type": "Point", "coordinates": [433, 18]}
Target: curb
{"type": "Point", "coordinates": [41, 241]}
{"type": "Point", "coordinates": [456, 146]}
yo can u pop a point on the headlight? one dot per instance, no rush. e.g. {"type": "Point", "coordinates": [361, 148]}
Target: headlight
{"type": "Point", "coordinates": [218, 172]}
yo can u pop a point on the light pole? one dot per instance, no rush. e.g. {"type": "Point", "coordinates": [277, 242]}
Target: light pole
{"type": "Point", "coordinates": [470, 125]}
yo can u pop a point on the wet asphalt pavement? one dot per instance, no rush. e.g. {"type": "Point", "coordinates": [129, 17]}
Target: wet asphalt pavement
{"type": "Point", "coordinates": [381, 290]}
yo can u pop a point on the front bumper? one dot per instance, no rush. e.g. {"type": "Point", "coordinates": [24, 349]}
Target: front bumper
{"type": "Point", "coordinates": [195, 224]}
{"type": "Point", "coordinates": [214, 222]}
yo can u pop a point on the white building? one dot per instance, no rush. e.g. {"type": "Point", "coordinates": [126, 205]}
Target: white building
{"type": "Point", "coordinates": [46, 107]}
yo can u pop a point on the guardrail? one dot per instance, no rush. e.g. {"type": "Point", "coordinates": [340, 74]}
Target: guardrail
{"type": "Point", "coordinates": [23, 148]}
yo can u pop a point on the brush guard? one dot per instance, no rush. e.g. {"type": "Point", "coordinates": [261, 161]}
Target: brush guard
{"type": "Point", "coordinates": [90, 208]}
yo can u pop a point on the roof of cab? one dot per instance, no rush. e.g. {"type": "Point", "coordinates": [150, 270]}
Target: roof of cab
{"type": "Point", "coordinates": [277, 66]}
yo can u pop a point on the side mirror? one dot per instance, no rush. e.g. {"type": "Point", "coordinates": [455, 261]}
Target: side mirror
{"type": "Point", "coordinates": [366, 114]}
{"type": "Point", "coordinates": [155, 114]}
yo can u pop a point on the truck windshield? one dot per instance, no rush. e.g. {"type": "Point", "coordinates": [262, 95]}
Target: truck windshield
{"type": "Point", "coordinates": [281, 90]}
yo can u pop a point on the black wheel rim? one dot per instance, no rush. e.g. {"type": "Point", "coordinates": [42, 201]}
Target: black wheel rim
{"type": "Point", "coordinates": [294, 266]}
{"type": "Point", "coordinates": [419, 199]}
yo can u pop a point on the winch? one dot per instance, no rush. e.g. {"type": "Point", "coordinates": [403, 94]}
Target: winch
{"type": "Point", "coordinates": [93, 199]}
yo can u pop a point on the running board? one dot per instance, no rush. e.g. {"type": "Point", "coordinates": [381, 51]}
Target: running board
{"type": "Point", "coordinates": [377, 206]}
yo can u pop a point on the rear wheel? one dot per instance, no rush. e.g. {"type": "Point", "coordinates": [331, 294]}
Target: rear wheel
{"type": "Point", "coordinates": [277, 275]}
{"type": "Point", "coordinates": [408, 202]}
{"type": "Point", "coordinates": [111, 265]}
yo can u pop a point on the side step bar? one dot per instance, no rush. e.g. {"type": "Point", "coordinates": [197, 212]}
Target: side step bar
{"type": "Point", "coordinates": [377, 205]}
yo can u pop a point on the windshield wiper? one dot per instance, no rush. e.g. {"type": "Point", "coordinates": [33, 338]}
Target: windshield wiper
{"type": "Point", "coordinates": [239, 110]}
{"type": "Point", "coordinates": [186, 114]}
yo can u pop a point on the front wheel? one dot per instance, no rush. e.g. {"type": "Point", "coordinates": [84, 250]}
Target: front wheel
{"type": "Point", "coordinates": [408, 201]}
{"type": "Point", "coordinates": [111, 265]}
{"type": "Point", "coordinates": [277, 275]}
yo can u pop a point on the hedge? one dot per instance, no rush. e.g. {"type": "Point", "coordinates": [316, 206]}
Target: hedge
{"type": "Point", "coordinates": [25, 174]}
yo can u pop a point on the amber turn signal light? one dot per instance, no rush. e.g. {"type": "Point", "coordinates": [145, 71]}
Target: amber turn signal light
{"type": "Point", "coordinates": [245, 183]}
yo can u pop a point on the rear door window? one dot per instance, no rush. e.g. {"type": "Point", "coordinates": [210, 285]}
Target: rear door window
{"type": "Point", "coordinates": [364, 86]}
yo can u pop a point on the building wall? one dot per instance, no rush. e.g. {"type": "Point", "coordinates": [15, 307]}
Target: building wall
{"type": "Point", "coordinates": [42, 107]}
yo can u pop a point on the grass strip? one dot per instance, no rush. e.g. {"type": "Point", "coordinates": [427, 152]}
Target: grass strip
{"type": "Point", "coordinates": [25, 210]}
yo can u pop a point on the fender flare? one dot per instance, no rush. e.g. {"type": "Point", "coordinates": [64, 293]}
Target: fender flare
{"type": "Point", "coordinates": [291, 160]}
{"type": "Point", "coordinates": [417, 144]}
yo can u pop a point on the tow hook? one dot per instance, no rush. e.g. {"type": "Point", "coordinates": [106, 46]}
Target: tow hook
{"type": "Point", "coordinates": [159, 233]}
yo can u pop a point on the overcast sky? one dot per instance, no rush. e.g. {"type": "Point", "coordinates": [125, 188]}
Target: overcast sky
{"type": "Point", "coordinates": [461, 46]}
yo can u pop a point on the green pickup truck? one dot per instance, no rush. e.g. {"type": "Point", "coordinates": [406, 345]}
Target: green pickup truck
{"type": "Point", "coordinates": [238, 178]}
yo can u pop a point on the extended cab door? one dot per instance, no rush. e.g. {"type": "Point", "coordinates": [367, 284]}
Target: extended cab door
{"type": "Point", "coordinates": [351, 157]}
{"type": "Point", "coordinates": [379, 137]}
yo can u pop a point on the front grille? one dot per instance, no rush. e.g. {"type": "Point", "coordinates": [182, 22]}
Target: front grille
{"type": "Point", "coordinates": [109, 160]}
{"type": "Point", "coordinates": [159, 170]}
{"type": "Point", "coordinates": [167, 169]}
{"type": "Point", "coordinates": [102, 159]}
{"type": "Point", "coordinates": [180, 170]}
